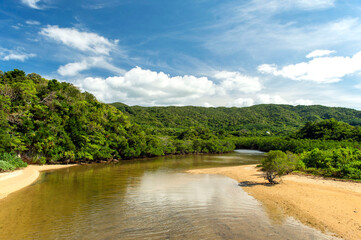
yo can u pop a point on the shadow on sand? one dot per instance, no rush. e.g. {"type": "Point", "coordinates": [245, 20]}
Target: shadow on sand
{"type": "Point", "coordinates": [250, 184]}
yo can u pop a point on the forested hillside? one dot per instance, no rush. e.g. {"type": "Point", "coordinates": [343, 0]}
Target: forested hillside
{"type": "Point", "coordinates": [53, 121]}
{"type": "Point", "coordinates": [247, 121]}
{"type": "Point", "coordinates": [47, 121]}
{"type": "Point", "coordinates": [50, 121]}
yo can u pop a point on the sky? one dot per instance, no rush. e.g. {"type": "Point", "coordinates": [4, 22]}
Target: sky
{"type": "Point", "coordinates": [191, 52]}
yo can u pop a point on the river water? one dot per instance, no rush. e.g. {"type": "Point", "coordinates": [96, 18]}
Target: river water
{"type": "Point", "coordinates": [145, 199]}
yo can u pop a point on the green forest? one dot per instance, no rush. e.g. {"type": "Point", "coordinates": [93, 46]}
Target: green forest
{"type": "Point", "coordinates": [258, 120]}
{"type": "Point", "coordinates": [47, 121]}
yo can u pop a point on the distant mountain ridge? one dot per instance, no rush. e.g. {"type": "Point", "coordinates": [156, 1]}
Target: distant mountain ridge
{"type": "Point", "coordinates": [280, 119]}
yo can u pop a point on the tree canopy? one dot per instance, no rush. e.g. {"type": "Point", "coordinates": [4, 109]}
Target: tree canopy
{"type": "Point", "coordinates": [51, 121]}
{"type": "Point", "coordinates": [279, 120]}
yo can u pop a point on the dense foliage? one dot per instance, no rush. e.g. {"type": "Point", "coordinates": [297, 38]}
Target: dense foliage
{"type": "Point", "coordinates": [290, 144]}
{"type": "Point", "coordinates": [51, 121]}
{"type": "Point", "coordinates": [329, 129]}
{"type": "Point", "coordinates": [9, 162]}
{"type": "Point", "coordinates": [258, 120]}
{"type": "Point", "coordinates": [326, 147]}
{"type": "Point", "coordinates": [340, 163]}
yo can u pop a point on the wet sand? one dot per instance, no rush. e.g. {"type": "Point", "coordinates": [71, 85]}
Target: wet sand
{"type": "Point", "coordinates": [328, 205]}
{"type": "Point", "coordinates": [13, 181]}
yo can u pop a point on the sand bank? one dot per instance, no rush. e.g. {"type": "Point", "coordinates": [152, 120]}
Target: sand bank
{"type": "Point", "coordinates": [328, 205]}
{"type": "Point", "coordinates": [13, 181]}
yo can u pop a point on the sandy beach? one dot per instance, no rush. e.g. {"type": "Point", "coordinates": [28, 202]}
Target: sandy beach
{"type": "Point", "coordinates": [13, 181]}
{"type": "Point", "coordinates": [329, 205]}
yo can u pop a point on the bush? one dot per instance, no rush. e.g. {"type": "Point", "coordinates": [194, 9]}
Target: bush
{"type": "Point", "coordinates": [6, 166]}
{"type": "Point", "coordinates": [10, 162]}
{"type": "Point", "coordinates": [278, 164]}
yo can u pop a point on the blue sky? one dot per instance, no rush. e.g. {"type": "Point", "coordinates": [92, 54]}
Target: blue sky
{"type": "Point", "coordinates": [191, 52]}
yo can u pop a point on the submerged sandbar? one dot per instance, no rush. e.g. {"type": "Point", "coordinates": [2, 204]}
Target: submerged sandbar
{"type": "Point", "coordinates": [13, 181]}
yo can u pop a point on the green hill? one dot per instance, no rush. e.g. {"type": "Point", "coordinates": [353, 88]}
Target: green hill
{"type": "Point", "coordinates": [254, 120]}
{"type": "Point", "coordinates": [49, 121]}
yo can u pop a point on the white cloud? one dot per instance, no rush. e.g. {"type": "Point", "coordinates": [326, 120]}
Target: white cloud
{"type": "Point", "coordinates": [303, 102]}
{"type": "Point", "coordinates": [207, 105]}
{"type": "Point", "coordinates": [242, 102]}
{"type": "Point", "coordinates": [319, 53]}
{"type": "Point", "coordinates": [72, 69]}
{"type": "Point", "coordinates": [236, 82]}
{"type": "Point", "coordinates": [321, 70]}
{"type": "Point", "coordinates": [83, 41]}
{"type": "Point", "coordinates": [146, 87]}
{"type": "Point", "coordinates": [16, 55]}
{"type": "Point", "coordinates": [32, 22]}
{"type": "Point", "coordinates": [31, 3]}
{"type": "Point", "coordinates": [267, 99]}
{"type": "Point", "coordinates": [95, 49]}
{"type": "Point", "coordinates": [139, 86]}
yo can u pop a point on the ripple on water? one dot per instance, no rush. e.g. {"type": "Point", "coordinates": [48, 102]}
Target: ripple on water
{"type": "Point", "coordinates": [143, 200]}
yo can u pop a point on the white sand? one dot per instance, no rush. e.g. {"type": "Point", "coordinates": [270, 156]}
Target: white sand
{"type": "Point", "coordinates": [326, 204]}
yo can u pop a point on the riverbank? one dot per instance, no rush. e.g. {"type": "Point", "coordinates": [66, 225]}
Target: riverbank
{"type": "Point", "coordinates": [328, 205]}
{"type": "Point", "coordinates": [13, 181]}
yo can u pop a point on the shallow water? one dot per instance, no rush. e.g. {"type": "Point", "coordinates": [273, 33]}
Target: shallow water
{"type": "Point", "coordinates": [145, 199]}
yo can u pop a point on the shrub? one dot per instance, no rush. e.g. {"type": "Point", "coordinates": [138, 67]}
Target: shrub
{"type": "Point", "coordinates": [13, 160]}
{"type": "Point", "coordinates": [278, 164]}
{"type": "Point", "coordinates": [6, 166]}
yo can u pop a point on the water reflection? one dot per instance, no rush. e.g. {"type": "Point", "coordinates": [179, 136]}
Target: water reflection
{"type": "Point", "coordinates": [145, 199]}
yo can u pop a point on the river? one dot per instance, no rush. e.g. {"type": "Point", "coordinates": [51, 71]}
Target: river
{"type": "Point", "coordinates": [145, 199]}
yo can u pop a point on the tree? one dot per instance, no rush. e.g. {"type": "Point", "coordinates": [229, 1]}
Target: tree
{"type": "Point", "coordinates": [278, 164]}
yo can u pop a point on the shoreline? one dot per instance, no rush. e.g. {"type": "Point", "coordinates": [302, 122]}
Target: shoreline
{"type": "Point", "coordinates": [11, 182]}
{"type": "Point", "coordinates": [328, 205]}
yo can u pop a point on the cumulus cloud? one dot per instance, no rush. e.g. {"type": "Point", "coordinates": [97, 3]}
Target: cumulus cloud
{"type": "Point", "coordinates": [242, 102]}
{"type": "Point", "coordinates": [149, 87]}
{"type": "Point", "coordinates": [267, 99]}
{"type": "Point", "coordinates": [207, 105]}
{"type": "Point", "coordinates": [31, 3]}
{"type": "Point", "coordinates": [32, 22]}
{"type": "Point", "coordinates": [236, 82]}
{"type": "Point", "coordinates": [320, 69]}
{"type": "Point", "coordinates": [146, 87]}
{"type": "Point", "coordinates": [83, 41]}
{"type": "Point", "coordinates": [15, 55]}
